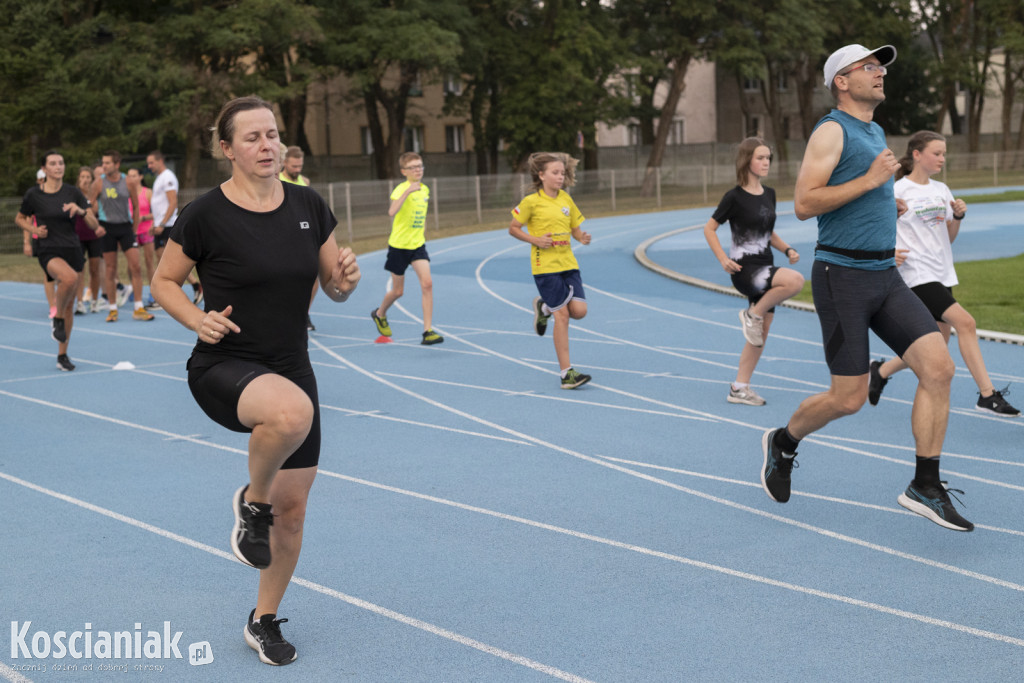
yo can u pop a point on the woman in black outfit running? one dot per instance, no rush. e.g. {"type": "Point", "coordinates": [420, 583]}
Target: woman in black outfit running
{"type": "Point", "coordinates": [258, 245]}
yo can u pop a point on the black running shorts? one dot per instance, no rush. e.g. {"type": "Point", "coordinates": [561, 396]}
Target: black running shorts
{"type": "Point", "coordinates": [936, 296]}
{"type": "Point", "coordinates": [851, 301]}
{"type": "Point", "coordinates": [217, 389]}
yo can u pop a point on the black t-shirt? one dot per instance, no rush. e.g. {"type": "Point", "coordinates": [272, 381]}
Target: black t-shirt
{"type": "Point", "coordinates": [261, 264]}
{"type": "Point", "coordinates": [751, 218]}
{"type": "Point", "coordinates": [48, 210]}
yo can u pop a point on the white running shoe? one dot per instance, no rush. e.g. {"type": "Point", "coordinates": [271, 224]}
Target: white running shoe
{"type": "Point", "coordinates": [746, 396]}
{"type": "Point", "coordinates": [753, 327]}
{"type": "Point", "coordinates": [123, 292]}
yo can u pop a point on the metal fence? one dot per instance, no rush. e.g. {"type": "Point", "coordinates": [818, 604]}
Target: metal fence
{"type": "Point", "coordinates": [461, 201]}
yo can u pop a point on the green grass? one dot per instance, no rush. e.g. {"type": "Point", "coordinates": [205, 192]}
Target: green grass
{"type": "Point", "coordinates": [991, 291]}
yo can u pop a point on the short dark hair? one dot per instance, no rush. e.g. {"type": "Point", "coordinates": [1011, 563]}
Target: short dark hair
{"type": "Point", "coordinates": [113, 154]}
{"type": "Point", "coordinates": [157, 154]}
{"type": "Point", "coordinates": [46, 155]}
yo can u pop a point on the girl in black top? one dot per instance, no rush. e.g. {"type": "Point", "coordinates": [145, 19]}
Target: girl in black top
{"type": "Point", "coordinates": [55, 206]}
{"type": "Point", "coordinates": [750, 210]}
{"type": "Point", "coordinates": [258, 245]}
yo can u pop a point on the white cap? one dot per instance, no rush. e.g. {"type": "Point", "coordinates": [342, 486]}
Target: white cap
{"type": "Point", "coordinates": [40, 174]}
{"type": "Point", "coordinates": [845, 56]}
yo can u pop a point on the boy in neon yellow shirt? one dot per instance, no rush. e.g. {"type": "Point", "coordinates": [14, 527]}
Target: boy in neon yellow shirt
{"type": "Point", "coordinates": [551, 218]}
{"type": "Point", "coordinates": [407, 247]}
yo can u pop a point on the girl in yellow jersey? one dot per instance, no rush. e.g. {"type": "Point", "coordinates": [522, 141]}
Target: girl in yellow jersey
{"type": "Point", "coordinates": [551, 218]}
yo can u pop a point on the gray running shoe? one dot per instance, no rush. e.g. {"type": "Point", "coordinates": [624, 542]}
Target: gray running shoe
{"type": "Point", "coordinates": [753, 327]}
{"type": "Point", "coordinates": [746, 396]}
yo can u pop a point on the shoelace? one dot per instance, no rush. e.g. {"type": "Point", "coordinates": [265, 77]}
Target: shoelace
{"type": "Point", "coordinates": [259, 519]}
{"type": "Point", "coordinates": [1005, 391]}
{"type": "Point", "coordinates": [945, 488]}
{"type": "Point", "coordinates": [273, 630]}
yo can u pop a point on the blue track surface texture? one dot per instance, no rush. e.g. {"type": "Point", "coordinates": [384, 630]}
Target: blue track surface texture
{"type": "Point", "coordinates": [473, 522]}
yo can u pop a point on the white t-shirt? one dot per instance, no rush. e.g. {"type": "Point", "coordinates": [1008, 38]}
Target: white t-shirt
{"type": "Point", "coordinates": [164, 183]}
{"type": "Point", "coordinates": [923, 230]}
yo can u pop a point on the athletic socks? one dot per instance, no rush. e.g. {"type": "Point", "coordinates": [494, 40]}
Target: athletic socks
{"type": "Point", "coordinates": [785, 441]}
{"type": "Point", "coordinates": [926, 471]}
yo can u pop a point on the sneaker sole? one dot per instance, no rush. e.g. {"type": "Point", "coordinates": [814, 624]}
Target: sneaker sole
{"type": "Point", "coordinates": [743, 326]}
{"type": "Point", "coordinates": [996, 413]}
{"type": "Point", "coordinates": [926, 512]}
{"type": "Point", "coordinates": [431, 343]}
{"type": "Point", "coordinates": [765, 449]}
{"type": "Point", "coordinates": [236, 501]}
{"type": "Point", "coordinates": [732, 399]}
{"type": "Point", "coordinates": [255, 644]}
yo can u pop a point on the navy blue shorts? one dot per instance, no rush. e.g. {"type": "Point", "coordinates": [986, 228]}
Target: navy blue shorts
{"type": "Point", "coordinates": [851, 301]}
{"type": "Point", "coordinates": [558, 289]}
{"type": "Point", "coordinates": [71, 255]}
{"type": "Point", "coordinates": [936, 296]}
{"type": "Point", "coordinates": [399, 259]}
{"type": "Point", "coordinates": [218, 387]}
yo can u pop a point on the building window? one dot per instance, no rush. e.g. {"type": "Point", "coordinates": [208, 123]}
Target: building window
{"type": "Point", "coordinates": [633, 135]}
{"type": "Point", "coordinates": [413, 138]}
{"type": "Point", "coordinates": [416, 87]}
{"type": "Point", "coordinates": [675, 133]}
{"type": "Point", "coordinates": [785, 128]}
{"type": "Point", "coordinates": [367, 141]}
{"type": "Point", "coordinates": [751, 84]}
{"type": "Point", "coordinates": [452, 84]}
{"type": "Point", "coordinates": [455, 138]}
{"type": "Point", "coordinates": [783, 84]}
{"type": "Point", "coordinates": [754, 128]}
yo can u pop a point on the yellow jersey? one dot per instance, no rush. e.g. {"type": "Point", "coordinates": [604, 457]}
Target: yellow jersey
{"type": "Point", "coordinates": [541, 215]}
{"type": "Point", "coordinates": [282, 176]}
{"type": "Point", "coordinates": [407, 226]}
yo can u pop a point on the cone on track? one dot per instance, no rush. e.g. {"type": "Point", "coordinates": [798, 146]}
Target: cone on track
{"type": "Point", "coordinates": [383, 340]}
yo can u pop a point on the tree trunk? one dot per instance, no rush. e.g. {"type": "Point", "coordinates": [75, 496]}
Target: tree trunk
{"type": "Point", "coordinates": [668, 110]}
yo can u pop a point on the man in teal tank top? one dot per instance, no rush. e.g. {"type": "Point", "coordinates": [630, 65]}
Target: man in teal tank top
{"type": "Point", "coordinates": [846, 181]}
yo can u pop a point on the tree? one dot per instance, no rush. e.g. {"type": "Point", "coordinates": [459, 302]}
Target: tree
{"type": "Point", "coordinates": [390, 49]}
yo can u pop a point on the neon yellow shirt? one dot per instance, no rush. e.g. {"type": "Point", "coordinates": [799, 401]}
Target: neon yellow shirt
{"type": "Point", "coordinates": [407, 226]}
{"type": "Point", "coordinates": [542, 214]}
{"type": "Point", "coordinates": [301, 181]}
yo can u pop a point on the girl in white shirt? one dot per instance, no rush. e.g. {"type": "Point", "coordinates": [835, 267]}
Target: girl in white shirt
{"type": "Point", "coordinates": [924, 236]}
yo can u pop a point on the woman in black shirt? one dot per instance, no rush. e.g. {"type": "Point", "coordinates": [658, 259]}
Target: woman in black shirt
{"type": "Point", "coordinates": [55, 206]}
{"type": "Point", "coordinates": [258, 245]}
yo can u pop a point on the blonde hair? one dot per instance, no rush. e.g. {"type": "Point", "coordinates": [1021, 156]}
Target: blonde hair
{"type": "Point", "coordinates": [407, 157]}
{"type": "Point", "coordinates": [917, 142]}
{"type": "Point", "coordinates": [538, 161]}
{"type": "Point", "coordinates": [744, 155]}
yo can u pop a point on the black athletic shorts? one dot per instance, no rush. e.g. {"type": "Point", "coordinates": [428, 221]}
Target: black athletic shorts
{"type": "Point", "coordinates": [851, 301]}
{"type": "Point", "coordinates": [160, 241]}
{"type": "Point", "coordinates": [218, 387]}
{"type": "Point", "coordinates": [118, 234]}
{"type": "Point", "coordinates": [753, 280]}
{"type": "Point", "coordinates": [399, 259]}
{"type": "Point", "coordinates": [93, 248]}
{"type": "Point", "coordinates": [936, 296]}
{"type": "Point", "coordinates": [71, 255]}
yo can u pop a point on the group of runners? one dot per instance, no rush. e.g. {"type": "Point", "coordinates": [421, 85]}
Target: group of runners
{"type": "Point", "coordinates": [262, 241]}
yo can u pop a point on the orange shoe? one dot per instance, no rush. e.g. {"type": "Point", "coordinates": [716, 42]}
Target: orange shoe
{"type": "Point", "coordinates": [112, 316]}
{"type": "Point", "coordinates": [142, 314]}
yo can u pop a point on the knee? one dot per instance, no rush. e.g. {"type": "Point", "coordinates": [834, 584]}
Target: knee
{"type": "Point", "coordinates": [292, 419]}
{"type": "Point", "coordinates": [937, 371]}
{"type": "Point", "coordinates": [289, 514]}
{"type": "Point", "coordinates": [967, 326]}
{"type": "Point", "coordinates": [577, 310]}
{"type": "Point", "coordinates": [427, 285]}
{"type": "Point", "coordinates": [848, 403]}
{"type": "Point", "coordinates": [397, 291]}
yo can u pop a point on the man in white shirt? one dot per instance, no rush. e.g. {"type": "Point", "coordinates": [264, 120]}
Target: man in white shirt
{"type": "Point", "coordinates": [165, 210]}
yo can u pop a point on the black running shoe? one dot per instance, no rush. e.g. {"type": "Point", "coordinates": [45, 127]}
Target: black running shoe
{"type": "Point", "coordinates": [64, 363]}
{"type": "Point", "coordinates": [990, 404]}
{"type": "Point", "coordinates": [875, 382]}
{"type": "Point", "coordinates": [265, 637]}
{"type": "Point", "coordinates": [573, 379]}
{"type": "Point", "coordinates": [58, 333]}
{"type": "Point", "coordinates": [932, 502]}
{"type": "Point", "coordinates": [430, 337]}
{"type": "Point", "coordinates": [777, 468]}
{"type": "Point", "coordinates": [250, 537]}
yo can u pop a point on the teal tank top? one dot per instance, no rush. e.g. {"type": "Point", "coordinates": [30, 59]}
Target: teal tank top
{"type": "Point", "coordinates": [868, 223]}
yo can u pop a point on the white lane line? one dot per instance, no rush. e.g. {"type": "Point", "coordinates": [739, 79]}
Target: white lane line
{"type": "Point", "coordinates": [427, 425]}
{"type": "Point", "coordinates": [543, 397]}
{"type": "Point", "coordinates": [311, 585]}
{"type": "Point", "coordinates": [814, 496]}
{"type": "Point", "coordinates": [698, 564]}
{"type": "Point", "coordinates": [662, 482]}
{"type": "Point", "coordinates": [654, 553]}
{"type": "Point", "coordinates": [911, 449]}
{"type": "Point", "coordinates": [9, 674]}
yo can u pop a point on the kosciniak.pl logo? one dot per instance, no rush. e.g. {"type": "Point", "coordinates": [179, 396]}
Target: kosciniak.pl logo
{"type": "Point", "coordinates": [89, 644]}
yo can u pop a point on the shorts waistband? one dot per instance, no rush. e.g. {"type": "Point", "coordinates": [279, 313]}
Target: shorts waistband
{"type": "Point", "coordinates": [859, 254]}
